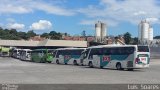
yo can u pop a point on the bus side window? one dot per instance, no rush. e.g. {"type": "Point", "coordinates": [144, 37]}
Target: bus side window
{"type": "Point", "coordinates": [95, 51]}
{"type": "Point", "coordinates": [131, 50]}
{"type": "Point", "coordinates": [67, 52]}
{"type": "Point", "coordinates": [100, 52]}
{"type": "Point", "coordinates": [106, 51]}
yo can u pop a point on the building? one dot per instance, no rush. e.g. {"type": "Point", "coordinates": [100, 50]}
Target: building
{"type": "Point", "coordinates": [47, 43]}
{"type": "Point", "coordinates": [74, 38]}
{"type": "Point", "coordinates": [145, 32]}
{"type": "Point", "coordinates": [37, 38]}
{"type": "Point", "coordinates": [101, 32]}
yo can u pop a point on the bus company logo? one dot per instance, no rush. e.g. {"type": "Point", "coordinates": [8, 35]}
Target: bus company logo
{"type": "Point", "coordinates": [67, 57]}
{"type": "Point", "coordinates": [106, 58]}
{"type": "Point", "coordinates": [143, 59]}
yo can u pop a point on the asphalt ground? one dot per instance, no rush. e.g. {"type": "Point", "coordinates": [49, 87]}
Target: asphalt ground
{"type": "Point", "coordinates": [21, 72]}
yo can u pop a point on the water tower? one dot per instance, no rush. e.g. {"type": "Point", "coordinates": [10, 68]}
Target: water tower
{"type": "Point", "coordinates": [145, 33]}
{"type": "Point", "coordinates": [100, 31]}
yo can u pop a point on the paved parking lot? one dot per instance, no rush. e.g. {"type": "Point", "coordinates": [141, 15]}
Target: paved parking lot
{"type": "Point", "coordinates": [21, 72]}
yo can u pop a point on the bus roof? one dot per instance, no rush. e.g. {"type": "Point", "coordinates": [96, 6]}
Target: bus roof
{"type": "Point", "coordinates": [113, 45]}
{"type": "Point", "coordinates": [69, 48]}
{"type": "Point", "coordinates": [143, 45]}
{"type": "Point", "coordinates": [42, 49]}
{"type": "Point", "coordinates": [17, 49]}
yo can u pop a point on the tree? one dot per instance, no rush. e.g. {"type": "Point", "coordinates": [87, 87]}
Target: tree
{"type": "Point", "coordinates": [135, 41]}
{"type": "Point", "coordinates": [13, 31]}
{"type": "Point", "coordinates": [12, 34]}
{"type": "Point", "coordinates": [54, 35]}
{"type": "Point", "coordinates": [84, 33]}
{"type": "Point", "coordinates": [46, 35]}
{"type": "Point", "coordinates": [127, 38]}
{"type": "Point", "coordinates": [31, 33]}
{"type": "Point", "coordinates": [22, 35]}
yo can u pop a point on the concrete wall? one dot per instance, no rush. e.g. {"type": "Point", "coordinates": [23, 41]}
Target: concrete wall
{"type": "Point", "coordinates": [155, 52]}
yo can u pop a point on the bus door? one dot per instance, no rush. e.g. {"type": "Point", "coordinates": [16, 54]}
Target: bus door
{"type": "Point", "coordinates": [84, 57]}
{"type": "Point", "coordinates": [95, 57]}
{"type": "Point", "coordinates": [58, 56]}
{"type": "Point", "coordinates": [28, 55]}
{"type": "Point", "coordinates": [18, 53]}
{"type": "Point", "coordinates": [61, 56]}
{"type": "Point", "coordinates": [61, 59]}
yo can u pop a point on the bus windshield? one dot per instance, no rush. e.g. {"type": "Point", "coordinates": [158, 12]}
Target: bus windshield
{"type": "Point", "coordinates": [143, 49]}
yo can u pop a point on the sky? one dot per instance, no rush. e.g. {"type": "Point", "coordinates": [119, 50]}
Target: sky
{"type": "Point", "coordinates": [74, 16]}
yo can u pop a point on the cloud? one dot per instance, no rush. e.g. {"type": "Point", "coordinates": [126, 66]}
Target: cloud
{"type": "Point", "coordinates": [92, 22]}
{"type": "Point", "coordinates": [29, 6]}
{"type": "Point", "coordinates": [11, 20]}
{"type": "Point", "coordinates": [9, 6]}
{"type": "Point", "coordinates": [140, 13]}
{"type": "Point", "coordinates": [16, 26]}
{"type": "Point", "coordinates": [41, 25]}
{"type": "Point", "coordinates": [132, 11]}
{"type": "Point", "coordinates": [87, 22]}
{"type": "Point", "coordinates": [152, 19]}
{"type": "Point", "coordinates": [52, 9]}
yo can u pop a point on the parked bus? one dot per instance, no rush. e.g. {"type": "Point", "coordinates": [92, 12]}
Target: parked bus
{"type": "Point", "coordinates": [16, 53]}
{"type": "Point", "coordinates": [4, 51]}
{"type": "Point", "coordinates": [68, 56]}
{"type": "Point", "coordinates": [117, 56]}
{"type": "Point", "coordinates": [25, 54]}
{"type": "Point", "coordinates": [42, 55]}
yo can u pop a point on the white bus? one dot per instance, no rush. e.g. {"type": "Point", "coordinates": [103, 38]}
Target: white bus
{"type": "Point", "coordinates": [25, 54]}
{"type": "Point", "coordinates": [117, 56]}
{"type": "Point", "coordinates": [68, 56]}
{"type": "Point", "coordinates": [16, 53]}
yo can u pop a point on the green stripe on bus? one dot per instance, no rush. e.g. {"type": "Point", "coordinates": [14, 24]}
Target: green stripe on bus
{"type": "Point", "coordinates": [112, 57]}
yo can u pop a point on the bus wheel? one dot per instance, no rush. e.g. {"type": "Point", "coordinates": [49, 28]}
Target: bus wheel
{"type": "Point", "coordinates": [90, 65]}
{"type": "Point", "coordinates": [118, 66]}
{"type": "Point", "coordinates": [57, 61]}
{"type": "Point", "coordinates": [75, 62]}
{"type": "Point", "coordinates": [49, 61]}
{"type": "Point", "coordinates": [101, 67]}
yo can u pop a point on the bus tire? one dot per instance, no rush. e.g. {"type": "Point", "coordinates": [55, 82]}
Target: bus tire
{"type": "Point", "coordinates": [90, 65]}
{"type": "Point", "coordinates": [57, 61]}
{"type": "Point", "coordinates": [118, 66]}
{"type": "Point", "coordinates": [75, 62]}
{"type": "Point", "coordinates": [49, 61]}
{"type": "Point", "coordinates": [101, 67]}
